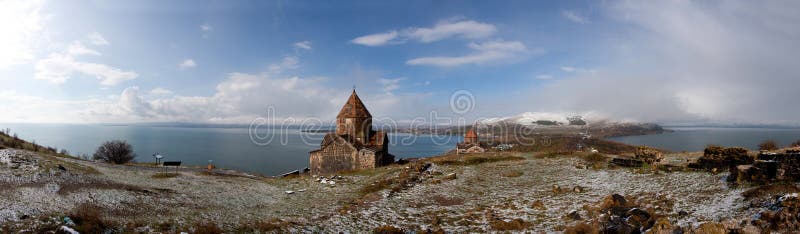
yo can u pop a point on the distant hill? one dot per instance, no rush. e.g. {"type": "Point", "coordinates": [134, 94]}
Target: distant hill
{"type": "Point", "coordinates": [11, 140]}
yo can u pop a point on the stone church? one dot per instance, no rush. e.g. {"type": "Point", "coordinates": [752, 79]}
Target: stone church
{"type": "Point", "coordinates": [354, 145]}
{"type": "Point", "coordinates": [471, 143]}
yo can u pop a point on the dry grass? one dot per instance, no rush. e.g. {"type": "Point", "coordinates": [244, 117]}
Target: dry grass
{"type": "Point", "coordinates": [514, 173]}
{"type": "Point", "coordinates": [67, 188]}
{"type": "Point", "coordinates": [474, 159]}
{"type": "Point", "coordinates": [582, 228]}
{"type": "Point", "coordinates": [207, 228]}
{"type": "Point", "coordinates": [447, 201]}
{"type": "Point", "coordinates": [387, 230]}
{"type": "Point", "coordinates": [165, 175]}
{"type": "Point", "coordinates": [511, 225]}
{"type": "Point", "coordinates": [88, 219]}
{"type": "Point", "coordinates": [768, 145]}
{"type": "Point", "coordinates": [377, 186]}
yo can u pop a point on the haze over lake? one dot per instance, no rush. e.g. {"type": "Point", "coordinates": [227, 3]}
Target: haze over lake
{"type": "Point", "coordinates": [228, 147]}
{"type": "Point", "coordinates": [697, 138]}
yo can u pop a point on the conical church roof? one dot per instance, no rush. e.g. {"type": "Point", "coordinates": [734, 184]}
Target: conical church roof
{"type": "Point", "coordinates": [354, 108]}
{"type": "Point", "coordinates": [471, 134]}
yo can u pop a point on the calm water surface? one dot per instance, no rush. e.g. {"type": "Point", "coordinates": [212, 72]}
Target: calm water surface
{"type": "Point", "coordinates": [697, 138]}
{"type": "Point", "coordinates": [228, 147]}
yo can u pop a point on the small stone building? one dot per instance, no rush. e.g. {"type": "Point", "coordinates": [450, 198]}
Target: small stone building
{"type": "Point", "coordinates": [354, 145]}
{"type": "Point", "coordinates": [470, 144]}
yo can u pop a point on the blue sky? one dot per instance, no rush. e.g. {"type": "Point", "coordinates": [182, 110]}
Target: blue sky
{"type": "Point", "coordinates": [227, 61]}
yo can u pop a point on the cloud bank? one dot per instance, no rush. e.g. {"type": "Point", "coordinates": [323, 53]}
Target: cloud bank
{"type": "Point", "coordinates": [728, 62]}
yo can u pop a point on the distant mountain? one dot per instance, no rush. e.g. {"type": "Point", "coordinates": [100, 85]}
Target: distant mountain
{"type": "Point", "coordinates": [543, 118]}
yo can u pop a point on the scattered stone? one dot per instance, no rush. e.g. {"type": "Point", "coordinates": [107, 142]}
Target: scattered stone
{"type": "Point", "coordinates": [289, 192]}
{"type": "Point", "coordinates": [556, 188]}
{"type": "Point", "coordinates": [578, 189]}
{"type": "Point", "coordinates": [451, 176]}
{"type": "Point", "coordinates": [538, 205]}
{"type": "Point", "coordinates": [68, 230]}
{"type": "Point", "coordinates": [573, 215]}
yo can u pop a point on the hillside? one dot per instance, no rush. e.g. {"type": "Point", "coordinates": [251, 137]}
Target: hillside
{"type": "Point", "coordinates": [11, 140]}
{"type": "Point", "coordinates": [491, 192]}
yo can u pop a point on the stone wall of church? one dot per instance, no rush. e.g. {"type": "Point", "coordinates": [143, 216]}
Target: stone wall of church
{"type": "Point", "coordinates": [365, 160]}
{"type": "Point", "coordinates": [335, 157]}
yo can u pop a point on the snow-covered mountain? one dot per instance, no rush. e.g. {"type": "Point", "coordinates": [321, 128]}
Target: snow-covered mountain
{"type": "Point", "coordinates": [530, 118]}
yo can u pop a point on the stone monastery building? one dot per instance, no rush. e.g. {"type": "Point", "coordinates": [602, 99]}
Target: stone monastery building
{"type": "Point", "coordinates": [354, 145]}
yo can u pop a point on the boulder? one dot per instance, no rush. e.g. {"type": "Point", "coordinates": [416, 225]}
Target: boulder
{"type": "Point", "coordinates": [615, 204]}
{"type": "Point", "coordinates": [711, 228]}
{"type": "Point", "coordinates": [573, 215]}
{"type": "Point", "coordinates": [637, 217]}
{"type": "Point", "coordinates": [617, 224]}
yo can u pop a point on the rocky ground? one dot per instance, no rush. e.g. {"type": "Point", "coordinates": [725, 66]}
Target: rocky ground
{"type": "Point", "coordinates": [514, 192]}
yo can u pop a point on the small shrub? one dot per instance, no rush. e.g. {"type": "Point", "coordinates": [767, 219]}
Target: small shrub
{"type": "Point", "coordinates": [64, 152]}
{"type": "Point", "coordinates": [795, 144]}
{"type": "Point", "coordinates": [512, 225]}
{"type": "Point", "coordinates": [270, 225]}
{"type": "Point", "coordinates": [595, 158]}
{"type": "Point", "coordinates": [377, 186]}
{"type": "Point", "coordinates": [582, 228]}
{"type": "Point", "coordinates": [207, 228]}
{"type": "Point", "coordinates": [768, 145]}
{"type": "Point", "coordinates": [88, 219]}
{"type": "Point", "coordinates": [117, 152]}
{"type": "Point", "coordinates": [164, 175]}
{"type": "Point", "coordinates": [387, 230]}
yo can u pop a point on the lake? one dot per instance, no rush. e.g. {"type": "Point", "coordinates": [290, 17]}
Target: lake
{"type": "Point", "coordinates": [228, 147]}
{"type": "Point", "coordinates": [697, 138]}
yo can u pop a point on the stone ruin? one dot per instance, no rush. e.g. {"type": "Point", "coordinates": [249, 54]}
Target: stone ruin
{"type": "Point", "coordinates": [648, 155]}
{"type": "Point", "coordinates": [769, 167]}
{"type": "Point", "coordinates": [642, 155]}
{"type": "Point", "coordinates": [718, 158]}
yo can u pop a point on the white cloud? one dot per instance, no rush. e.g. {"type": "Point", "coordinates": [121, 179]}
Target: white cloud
{"type": "Point", "coordinates": [57, 68]}
{"type": "Point", "coordinates": [240, 98]}
{"type": "Point", "coordinates": [288, 62]}
{"type": "Point", "coordinates": [206, 28]}
{"type": "Point", "coordinates": [574, 17]}
{"type": "Point", "coordinates": [97, 39]}
{"type": "Point", "coordinates": [578, 70]}
{"type": "Point", "coordinates": [160, 92]}
{"type": "Point", "coordinates": [187, 63]}
{"type": "Point", "coordinates": [390, 85]}
{"type": "Point", "coordinates": [445, 29]}
{"type": "Point", "coordinates": [306, 45]}
{"type": "Point", "coordinates": [468, 29]}
{"type": "Point", "coordinates": [487, 52]}
{"type": "Point", "coordinates": [20, 25]}
{"type": "Point", "coordinates": [377, 39]}
{"type": "Point", "coordinates": [77, 48]}
{"type": "Point", "coordinates": [544, 77]}
{"type": "Point", "coordinates": [684, 61]}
